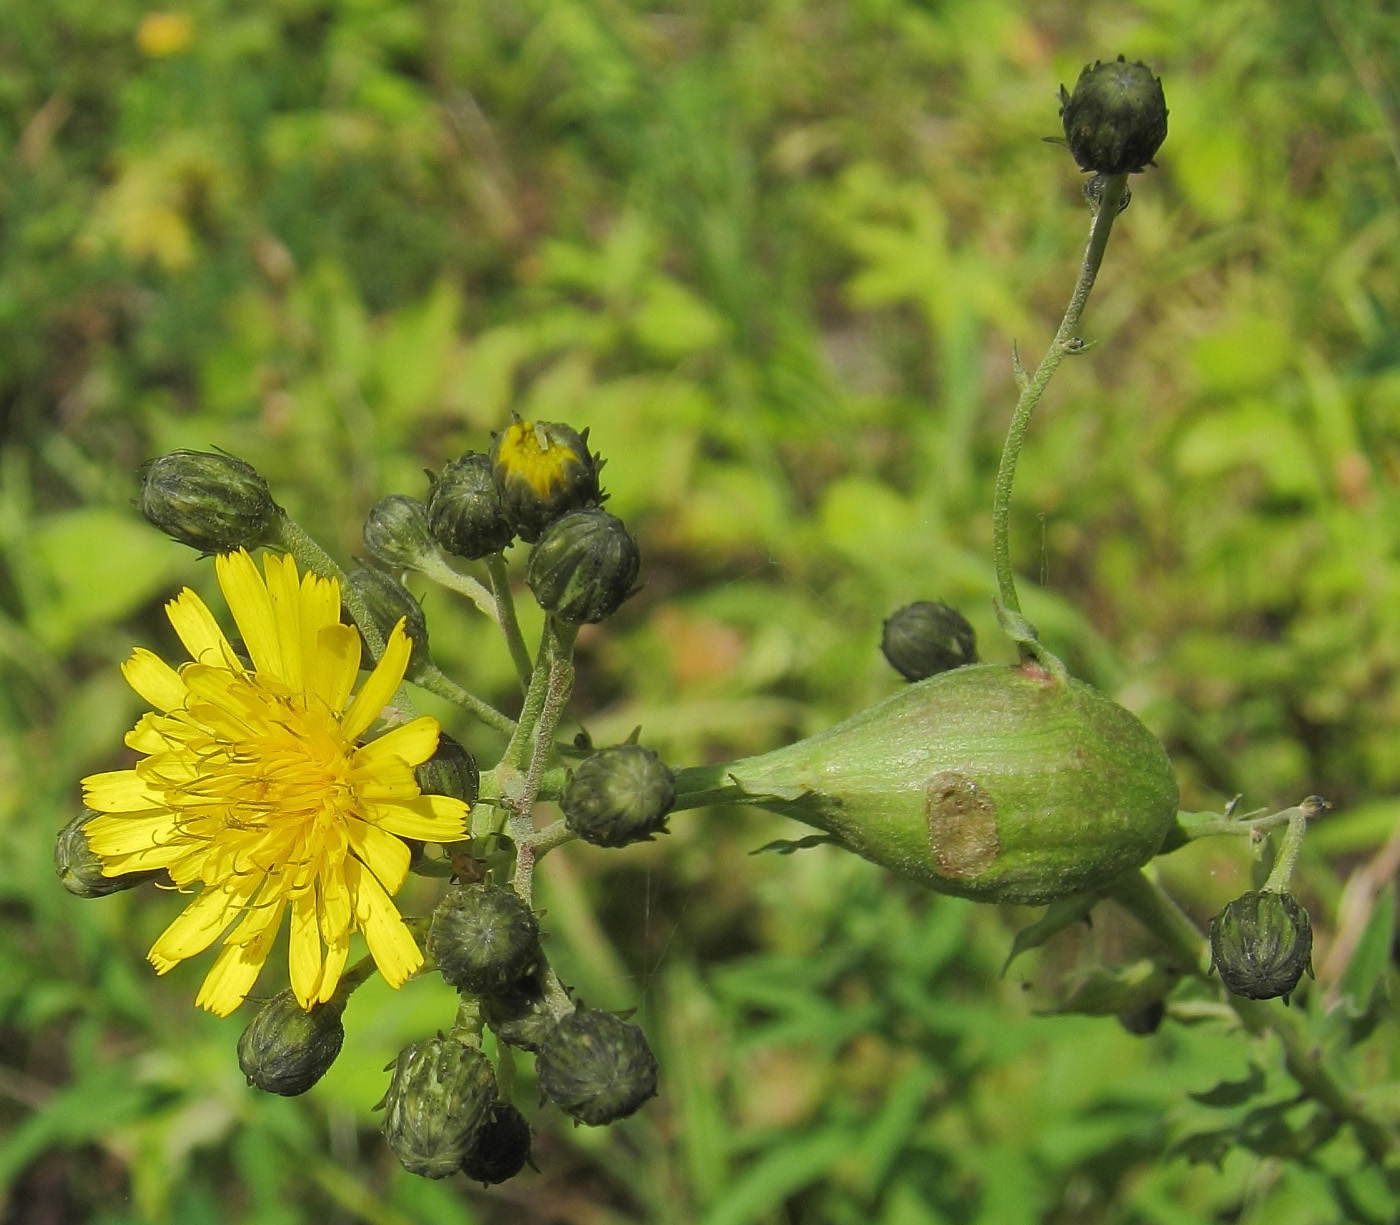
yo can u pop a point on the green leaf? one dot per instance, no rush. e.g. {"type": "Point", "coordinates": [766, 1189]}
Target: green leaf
{"type": "Point", "coordinates": [1058, 916]}
{"type": "Point", "coordinates": [1107, 992]}
{"type": "Point", "coordinates": [1365, 969]}
{"type": "Point", "coordinates": [1233, 1092]}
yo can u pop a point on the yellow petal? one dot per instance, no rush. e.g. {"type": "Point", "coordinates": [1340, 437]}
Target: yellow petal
{"type": "Point", "coordinates": [284, 593]}
{"type": "Point", "coordinates": [147, 736]}
{"type": "Point", "coordinates": [238, 964]}
{"type": "Point", "coordinates": [154, 679]}
{"type": "Point", "coordinates": [430, 818]}
{"type": "Point", "coordinates": [121, 791]}
{"type": "Point", "coordinates": [319, 600]}
{"type": "Point", "coordinates": [201, 923]}
{"type": "Point", "coordinates": [379, 689]}
{"type": "Point", "coordinates": [334, 666]}
{"type": "Point", "coordinates": [304, 949]}
{"type": "Point", "coordinates": [337, 906]}
{"type": "Point", "coordinates": [196, 628]}
{"type": "Point", "coordinates": [386, 856]}
{"type": "Point", "coordinates": [248, 600]}
{"type": "Point", "coordinates": [132, 833]}
{"type": "Point", "coordinates": [390, 943]}
{"type": "Point", "coordinates": [409, 744]}
{"type": "Point", "coordinates": [336, 955]}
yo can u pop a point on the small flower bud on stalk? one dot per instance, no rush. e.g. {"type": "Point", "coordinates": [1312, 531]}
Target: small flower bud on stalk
{"type": "Point", "coordinates": [211, 502]}
{"type": "Point", "coordinates": [584, 567]}
{"type": "Point", "coordinates": [465, 515]}
{"type": "Point", "coordinates": [286, 1049]}
{"type": "Point", "coordinates": [451, 771]}
{"type": "Point", "coordinates": [618, 796]}
{"type": "Point", "coordinates": [1116, 119]}
{"type": "Point", "coordinates": [1262, 943]}
{"type": "Point", "coordinates": [396, 532]}
{"type": "Point", "coordinates": [596, 1067]}
{"type": "Point", "coordinates": [80, 870]}
{"type": "Point", "coordinates": [542, 470]}
{"type": "Point", "coordinates": [924, 639]}
{"type": "Point", "coordinates": [390, 602]}
{"type": "Point", "coordinates": [440, 1097]}
{"type": "Point", "coordinates": [518, 1015]}
{"type": "Point", "coordinates": [501, 1148]}
{"type": "Point", "coordinates": [483, 938]}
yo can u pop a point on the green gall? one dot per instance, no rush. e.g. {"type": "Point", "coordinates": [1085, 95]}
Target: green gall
{"type": "Point", "coordinates": [619, 795]}
{"type": "Point", "coordinates": [483, 938]}
{"type": "Point", "coordinates": [596, 1067]}
{"type": "Point", "coordinates": [465, 515]}
{"type": "Point", "coordinates": [1262, 943]}
{"type": "Point", "coordinates": [501, 1147]}
{"type": "Point", "coordinates": [1002, 784]}
{"type": "Point", "coordinates": [396, 532]}
{"type": "Point", "coordinates": [450, 771]}
{"type": "Point", "coordinates": [212, 502]}
{"type": "Point", "coordinates": [389, 602]}
{"type": "Point", "coordinates": [1116, 119]}
{"type": "Point", "coordinates": [923, 639]}
{"type": "Point", "coordinates": [542, 470]}
{"type": "Point", "coordinates": [584, 566]}
{"type": "Point", "coordinates": [440, 1097]}
{"type": "Point", "coordinates": [286, 1049]}
{"type": "Point", "coordinates": [80, 869]}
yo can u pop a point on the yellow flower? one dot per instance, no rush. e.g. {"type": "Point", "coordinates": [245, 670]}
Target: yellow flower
{"type": "Point", "coordinates": [254, 787]}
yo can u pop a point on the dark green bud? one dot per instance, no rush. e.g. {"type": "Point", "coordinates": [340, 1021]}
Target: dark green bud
{"type": "Point", "coordinates": [1116, 119]}
{"type": "Point", "coordinates": [80, 869]}
{"type": "Point", "coordinates": [396, 532]}
{"type": "Point", "coordinates": [501, 1148]}
{"type": "Point", "coordinates": [1261, 943]}
{"type": "Point", "coordinates": [518, 1015]}
{"type": "Point", "coordinates": [483, 938]}
{"type": "Point", "coordinates": [464, 510]}
{"type": "Point", "coordinates": [596, 1067]}
{"type": "Point", "coordinates": [440, 1097]}
{"type": "Point", "coordinates": [209, 501]}
{"type": "Point", "coordinates": [388, 602]}
{"type": "Point", "coordinates": [584, 566]}
{"type": "Point", "coordinates": [924, 639]}
{"type": "Point", "coordinates": [619, 795]}
{"type": "Point", "coordinates": [286, 1049]}
{"type": "Point", "coordinates": [451, 771]}
{"type": "Point", "coordinates": [542, 470]}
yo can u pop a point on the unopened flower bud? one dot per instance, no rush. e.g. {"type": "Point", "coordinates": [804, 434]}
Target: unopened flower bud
{"type": "Point", "coordinates": [584, 566]}
{"type": "Point", "coordinates": [80, 869]}
{"type": "Point", "coordinates": [1116, 119]}
{"type": "Point", "coordinates": [212, 502]}
{"type": "Point", "coordinates": [501, 1147]}
{"type": "Point", "coordinates": [390, 602]}
{"type": "Point", "coordinates": [596, 1067]}
{"type": "Point", "coordinates": [440, 1096]}
{"type": "Point", "coordinates": [619, 795]}
{"type": "Point", "coordinates": [286, 1049]}
{"type": "Point", "coordinates": [1261, 943]}
{"type": "Point", "coordinates": [542, 469]}
{"type": "Point", "coordinates": [451, 771]}
{"type": "Point", "coordinates": [518, 1015]}
{"type": "Point", "coordinates": [465, 515]}
{"type": "Point", "coordinates": [396, 532]}
{"type": "Point", "coordinates": [483, 938]}
{"type": "Point", "coordinates": [924, 639]}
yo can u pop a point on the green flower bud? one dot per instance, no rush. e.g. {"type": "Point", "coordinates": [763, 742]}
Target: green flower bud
{"type": "Point", "coordinates": [584, 566]}
{"type": "Point", "coordinates": [501, 1148]}
{"type": "Point", "coordinates": [518, 1015]}
{"type": "Point", "coordinates": [1261, 943]}
{"type": "Point", "coordinates": [451, 771]}
{"type": "Point", "coordinates": [396, 532]}
{"type": "Point", "coordinates": [619, 795]}
{"type": "Point", "coordinates": [483, 938]}
{"type": "Point", "coordinates": [286, 1049]}
{"type": "Point", "coordinates": [212, 502]}
{"type": "Point", "coordinates": [1116, 119]}
{"type": "Point", "coordinates": [542, 469]}
{"type": "Point", "coordinates": [440, 1097]}
{"type": "Point", "coordinates": [389, 602]}
{"type": "Point", "coordinates": [596, 1067]}
{"type": "Point", "coordinates": [464, 510]}
{"type": "Point", "coordinates": [79, 868]}
{"type": "Point", "coordinates": [924, 639]}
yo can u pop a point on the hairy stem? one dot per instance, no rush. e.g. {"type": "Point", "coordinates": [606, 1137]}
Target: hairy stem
{"type": "Point", "coordinates": [505, 616]}
{"type": "Point", "coordinates": [434, 680]}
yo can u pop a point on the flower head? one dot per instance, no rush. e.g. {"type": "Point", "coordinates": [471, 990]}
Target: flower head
{"type": "Point", "coordinates": [254, 786]}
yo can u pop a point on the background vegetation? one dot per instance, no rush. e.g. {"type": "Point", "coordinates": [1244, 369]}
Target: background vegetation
{"type": "Point", "coordinates": [774, 255]}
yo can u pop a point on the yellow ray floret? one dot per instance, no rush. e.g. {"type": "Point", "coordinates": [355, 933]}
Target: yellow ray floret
{"type": "Point", "coordinates": [254, 789]}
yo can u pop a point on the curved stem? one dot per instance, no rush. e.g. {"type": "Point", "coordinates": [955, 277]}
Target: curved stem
{"type": "Point", "coordinates": [434, 680]}
{"type": "Point", "coordinates": [434, 566]}
{"type": "Point", "coordinates": [505, 616]}
{"type": "Point", "coordinates": [1033, 388]}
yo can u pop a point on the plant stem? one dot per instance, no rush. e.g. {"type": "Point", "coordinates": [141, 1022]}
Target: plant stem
{"type": "Point", "coordinates": [435, 680]}
{"type": "Point", "coordinates": [1150, 905]}
{"type": "Point", "coordinates": [1287, 854]}
{"type": "Point", "coordinates": [434, 566]}
{"type": "Point", "coordinates": [505, 616]}
{"type": "Point", "coordinates": [1034, 387]}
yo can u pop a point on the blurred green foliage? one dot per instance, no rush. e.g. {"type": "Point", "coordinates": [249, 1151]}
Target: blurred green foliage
{"type": "Point", "coordinates": [775, 256]}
